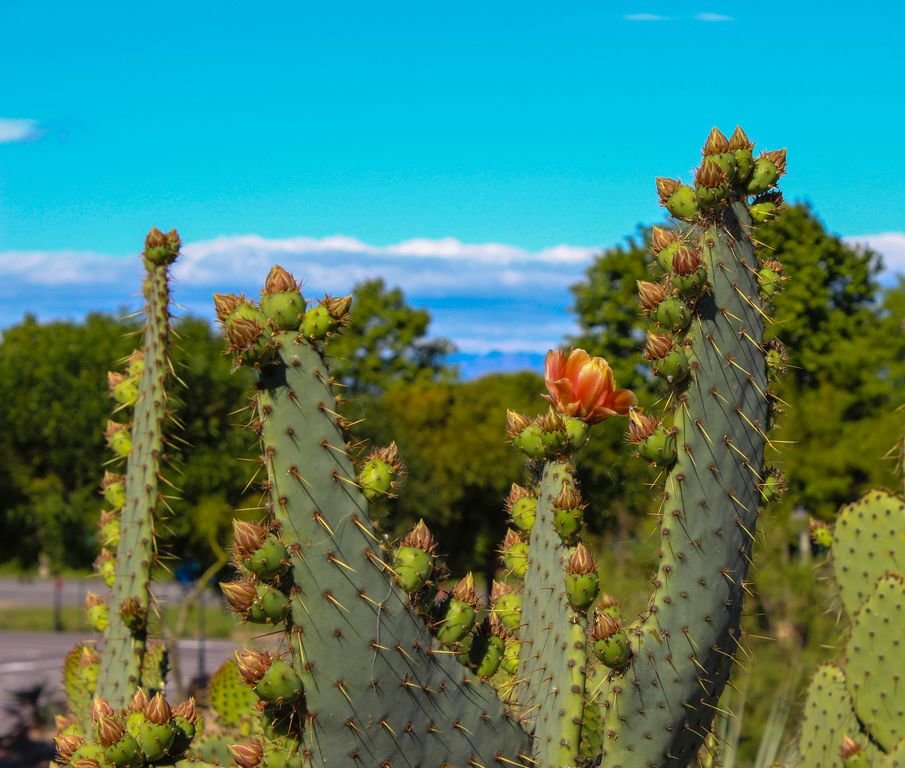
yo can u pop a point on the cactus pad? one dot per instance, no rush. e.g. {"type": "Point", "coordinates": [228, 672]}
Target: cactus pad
{"type": "Point", "coordinates": [828, 716]}
{"type": "Point", "coordinates": [874, 662]}
{"type": "Point", "coordinates": [869, 540]}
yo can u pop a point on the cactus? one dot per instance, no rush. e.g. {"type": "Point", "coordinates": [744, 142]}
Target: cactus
{"type": "Point", "coordinates": [132, 528]}
{"type": "Point", "coordinates": [855, 710]}
{"type": "Point", "coordinates": [660, 708]}
{"type": "Point", "coordinates": [370, 669]}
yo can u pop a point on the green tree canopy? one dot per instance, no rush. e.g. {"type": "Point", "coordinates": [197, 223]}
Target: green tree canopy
{"type": "Point", "coordinates": [386, 342]}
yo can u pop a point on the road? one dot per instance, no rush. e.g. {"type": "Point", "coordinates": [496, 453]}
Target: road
{"type": "Point", "coordinates": [28, 659]}
{"type": "Point", "coordinates": [40, 592]}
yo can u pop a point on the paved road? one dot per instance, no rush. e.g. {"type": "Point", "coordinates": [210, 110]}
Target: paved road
{"type": "Point", "coordinates": [40, 592]}
{"type": "Point", "coordinates": [32, 658]}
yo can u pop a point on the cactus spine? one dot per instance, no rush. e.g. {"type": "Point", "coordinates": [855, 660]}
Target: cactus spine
{"type": "Point", "coordinates": [126, 634]}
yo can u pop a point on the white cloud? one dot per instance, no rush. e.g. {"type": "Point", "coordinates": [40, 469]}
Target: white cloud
{"type": "Point", "coordinates": [890, 245]}
{"type": "Point", "coordinates": [489, 298]}
{"type": "Point", "coordinates": [18, 129]}
{"type": "Point", "coordinates": [713, 17]}
{"type": "Point", "coordinates": [645, 17]}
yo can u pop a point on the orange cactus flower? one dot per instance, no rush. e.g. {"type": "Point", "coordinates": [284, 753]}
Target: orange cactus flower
{"type": "Point", "coordinates": [584, 387]}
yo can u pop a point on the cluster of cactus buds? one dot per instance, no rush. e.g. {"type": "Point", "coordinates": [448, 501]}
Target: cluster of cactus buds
{"type": "Point", "coordinates": [250, 327]}
{"type": "Point", "coordinates": [728, 170]}
{"type": "Point", "coordinates": [147, 732]}
{"type": "Point", "coordinates": [261, 594]}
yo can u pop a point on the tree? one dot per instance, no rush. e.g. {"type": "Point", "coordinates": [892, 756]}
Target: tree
{"type": "Point", "coordinates": [386, 342]}
{"type": "Point", "coordinates": [452, 436]}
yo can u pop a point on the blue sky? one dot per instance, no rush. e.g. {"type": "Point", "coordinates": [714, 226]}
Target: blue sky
{"type": "Point", "coordinates": [401, 138]}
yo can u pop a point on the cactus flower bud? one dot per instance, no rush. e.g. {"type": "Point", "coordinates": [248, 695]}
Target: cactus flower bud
{"type": "Point", "coordinates": [685, 261]}
{"type": "Point", "coordinates": [609, 641]}
{"type": "Point", "coordinates": [568, 513]}
{"type": "Point", "coordinates": [66, 745]}
{"type": "Point", "coordinates": [459, 616]}
{"type": "Point", "coordinates": [655, 442]}
{"type": "Point", "coordinates": [507, 605]}
{"type": "Point", "coordinates": [849, 747]}
{"type": "Point", "coordinates": [581, 581]}
{"type": "Point", "coordinates": [821, 534]}
{"type": "Point", "coordinates": [187, 709]}
{"type": "Point", "coordinates": [248, 754]}
{"type": "Point", "coordinates": [521, 506]}
{"type": "Point", "coordinates": [514, 553]}
{"type": "Point", "coordinates": [678, 198]}
{"type": "Point", "coordinates": [225, 304]}
{"type": "Point", "coordinates": [382, 470]}
{"type": "Point", "coordinates": [119, 438]}
{"type": "Point", "coordinates": [413, 561]}
{"type": "Point", "coordinates": [134, 615]}
{"type": "Point", "coordinates": [640, 426]}
{"type": "Point", "coordinates": [739, 140]}
{"type": "Point", "coordinates": [158, 711]}
{"type": "Point", "coordinates": [161, 249]}
{"type": "Point", "coordinates": [139, 701]}
{"type": "Point", "coordinates": [282, 301]}
{"type": "Point", "coordinates": [660, 237]}
{"type": "Point", "coordinates": [338, 307]}
{"type": "Point", "coordinates": [247, 537]}
{"type": "Point", "coordinates": [109, 731]}
{"type": "Point", "coordinates": [650, 294]}
{"type": "Point", "coordinates": [584, 387]}
{"type": "Point", "coordinates": [253, 665]}
{"type": "Point", "coordinates": [278, 280]}
{"type": "Point", "coordinates": [239, 594]}
{"type": "Point", "coordinates": [100, 708]}
{"type": "Point", "coordinates": [515, 423]}
{"type": "Point", "coordinates": [658, 346]}
{"type": "Point", "coordinates": [420, 537]}
{"type": "Point", "coordinates": [716, 143]}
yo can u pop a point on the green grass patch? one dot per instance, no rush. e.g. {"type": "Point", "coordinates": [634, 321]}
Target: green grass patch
{"type": "Point", "coordinates": [218, 623]}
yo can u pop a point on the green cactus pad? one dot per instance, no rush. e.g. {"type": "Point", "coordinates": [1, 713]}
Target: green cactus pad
{"type": "Point", "coordinates": [827, 717]}
{"type": "Point", "coordinates": [230, 698]}
{"type": "Point", "coordinates": [874, 662]}
{"type": "Point", "coordinates": [658, 711]}
{"type": "Point", "coordinates": [552, 657]}
{"type": "Point", "coordinates": [896, 758]}
{"type": "Point", "coordinates": [373, 674]}
{"type": "Point", "coordinates": [80, 671]}
{"type": "Point", "coordinates": [869, 540]}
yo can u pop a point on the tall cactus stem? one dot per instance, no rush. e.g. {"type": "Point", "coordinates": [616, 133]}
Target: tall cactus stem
{"type": "Point", "coordinates": [125, 639]}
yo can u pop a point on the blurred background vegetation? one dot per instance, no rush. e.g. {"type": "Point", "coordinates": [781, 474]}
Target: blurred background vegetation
{"type": "Point", "coordinates": [846, 377]}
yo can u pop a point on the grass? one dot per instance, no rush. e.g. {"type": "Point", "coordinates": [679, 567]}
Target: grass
{"type": "Point", "coordinates": [218, 623]}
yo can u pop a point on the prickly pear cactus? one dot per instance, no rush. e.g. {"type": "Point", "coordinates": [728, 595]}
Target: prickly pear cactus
{"type": "Point", "coordinates": [361, 678]}
{"type": "Point", "coordinates": [133, 498]}
{"type": "Point", "coordinates": [371, 669]}
{"type": "Point", "coordinates": [867, 696]}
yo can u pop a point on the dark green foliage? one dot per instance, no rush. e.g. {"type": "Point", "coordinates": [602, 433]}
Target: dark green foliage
{"type": "Point", "coordinates": [385, 342]}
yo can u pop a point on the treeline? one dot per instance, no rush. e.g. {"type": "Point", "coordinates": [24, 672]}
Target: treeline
{"type": "Point", "coordinates": [846, 360]}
